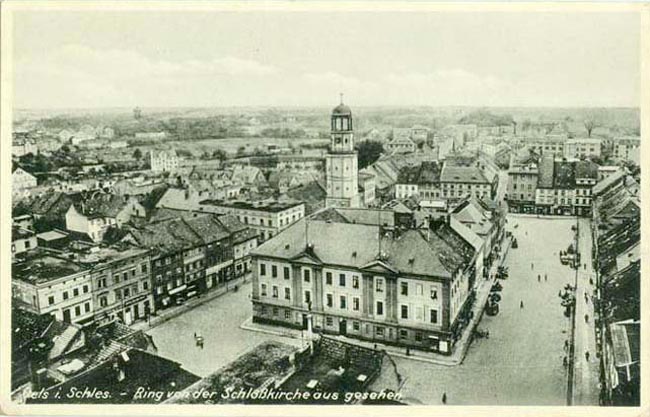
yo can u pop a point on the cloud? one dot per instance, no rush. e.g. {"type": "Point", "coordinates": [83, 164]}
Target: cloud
{"type": "Point", "coordinates": [117, 76]}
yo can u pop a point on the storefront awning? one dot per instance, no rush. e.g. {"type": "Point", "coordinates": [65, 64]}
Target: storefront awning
{"type": "Point", "coordinates": [177, 289]}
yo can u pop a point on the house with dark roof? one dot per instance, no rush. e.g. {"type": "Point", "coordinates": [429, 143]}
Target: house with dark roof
{"type": "Point", "coordinates": [457, 182]}
{"type": "Point", "coordinates": [365, 279]}
{"type": "Point", "coordinates": [95, 213]}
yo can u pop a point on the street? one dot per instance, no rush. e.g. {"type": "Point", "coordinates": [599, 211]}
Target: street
{"type": "Point", "coordinates": [521, 362]}
{"type": "Point", "coordinates": [585, 391]}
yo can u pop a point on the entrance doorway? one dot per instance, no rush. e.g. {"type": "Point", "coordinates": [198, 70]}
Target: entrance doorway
{"type": "Point", "coordinates": [343, 327]}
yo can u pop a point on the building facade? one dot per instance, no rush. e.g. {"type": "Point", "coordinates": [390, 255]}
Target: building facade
{"type": "Point", "coordinates": [371, 288]}
{"type": "Point", "coordinates": [164, 161]}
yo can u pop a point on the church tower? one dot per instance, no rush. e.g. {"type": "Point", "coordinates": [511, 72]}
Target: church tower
{"type": "Point", "coordinates": [341, 163]}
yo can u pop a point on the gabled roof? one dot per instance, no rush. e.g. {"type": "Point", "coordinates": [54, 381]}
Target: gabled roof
{"type": "Point", "coordinates": [603, 185]}
{"type": "Point", "coordinates": [436, 253]}
{"type": "Point", "coordinates": [462, 174]}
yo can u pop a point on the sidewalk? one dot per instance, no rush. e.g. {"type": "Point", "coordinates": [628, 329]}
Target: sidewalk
{"type": "Point", "coordinates": [586, 373]}
{"type": "Point", "coordinates": [164, 315]}
{"type": "Point", "coordinates": [460, 349]}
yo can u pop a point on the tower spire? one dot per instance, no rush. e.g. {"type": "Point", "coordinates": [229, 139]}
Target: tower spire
{"type": "Point", "coordinates": [341, 96]}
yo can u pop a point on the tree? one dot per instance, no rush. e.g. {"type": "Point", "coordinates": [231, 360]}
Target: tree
{"type": "Point", "coordinates": [368, 152]}
{"type": "Point", "coordinates": [137, 154]}
{"type": "Point", "coordinates": [219, 154]}
{"type": "Point", "coordinates": [590, 125]}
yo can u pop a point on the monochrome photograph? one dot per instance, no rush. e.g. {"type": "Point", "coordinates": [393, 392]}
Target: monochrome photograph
{"type": "Point", "coordinates": [278, 204]}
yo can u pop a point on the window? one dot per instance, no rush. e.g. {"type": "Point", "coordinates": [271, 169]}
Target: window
{"type": "Point", "coordinates": [263, 290]}
{"type": "Point", "coordinates": [379, 310]}
{"type": "Point", "coordinates": [329, 300]}
{"type": "Point", "coordinates": [355, 303]}
{"type": "Point", "coordinates": [87, 307]}
{"type": "Point", "coordinates": [434, 316]}
{"type": "Point", "coordinates": [306, 275]}
{"type": "Point", "coordinates": [329, 321]}
{"type": "Point", "coordinates": [143, 267]}
{"type": "Point", "coordinates": [403, 334]}
{"type": "Point", "coordinates": [355, 281]}
{"type": "Point", "coordinates": [379, 284]}
{"type": "Point", "coordinates": [286, 272]}
{"type": "Point", "coordinates": [274, 271]}
{"type": "Point", "coordinates": [328, 278]}
{"type": "Point", "coordinates": [275, 311]}
{"type": "Point", "coordinates": [65, 295]}
{"type": "Point", "coordinates": [405, 311]}
{"type": "Point", "coordinates": [380, 331]}
{"type": "Point", "coordinates": [275, 291]}
{"type": "Point", "coordinates": [77, 311]}
{"type": "Point", "coordinates": [125, 276]}
{"type": "Point", "coordinates": [127, 292]}
{"type": "Point", "coordinates": [434, 293]}
{"type": "Point", "coordinates": [342, 280]}
{"type": "Point", "coordinates": [307, 296]}
{"type": "Point", "coordinates": [287, 293]}
{"type": "Point", "coordinates": [50, 300]}
{"type": "Point", "coordinates": [343, 302]}
{"type": "Point", "coordinates": [262, 269]}
{"type": "Point", "coordinates": [404, 288]}
{"type": "Point", "coordinates": [145, 285]}
{"type": "Point", "coordinates": [287, 314]}
{"type": "Point", "coordinates": [103, 301]}
{"type": "Point", "coordinates": [355, 325]}
{"type": "Point", "coordinates": [85, 288]}
{"type": "Point", "coordinates": [75, 292]}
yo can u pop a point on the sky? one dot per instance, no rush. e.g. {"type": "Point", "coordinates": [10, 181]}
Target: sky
{"type": "Point", "coordinates": [90, 59]}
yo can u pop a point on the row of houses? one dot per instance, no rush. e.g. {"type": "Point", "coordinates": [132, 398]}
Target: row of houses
{"type": "Point", "coordinates": [148, 267]}
{"type": "Point", "coordinates": [616, 228]}
{"type": "Point", "coordinates": [447, 181]}
{"type": "Point", "coordinates": [368, 274]}
{"type": "Point", "coordinates": [552, 186]}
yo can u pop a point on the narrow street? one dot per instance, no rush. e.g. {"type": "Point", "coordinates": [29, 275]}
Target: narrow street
{"type": "Point", "coordinates": [586, 371]}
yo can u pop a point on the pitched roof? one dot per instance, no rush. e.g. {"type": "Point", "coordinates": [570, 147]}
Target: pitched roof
{"type": "Point", "coordinates": [438, 253]}
{"type": "Point", "coordinates": [603, 185]}
{"type": "Point", "coordinates": [565, 175]}
{"type": "Point", "coordinates": [101, 205]}
{"type": "Point", "coordinates": [586, 169]}
{"type": "Point", "coordinates": [462, 174]}
{"type": "Point", "coordinates": [546, 168]}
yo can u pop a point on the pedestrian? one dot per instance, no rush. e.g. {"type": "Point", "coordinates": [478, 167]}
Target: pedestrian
{"type": "Point", "coordinates": [591, 281]}
{"type": "Point", "coordinates": [586, 318]}
{"type": "Point", "coordinates": [587, 356]}
{"type": "Point", "coordinates": [565, 362]}
{"type": "Point", "coordinates": [539, 278]}
{"type": "Point", "coordinates": [566, 345]}
{"type": "Point", "coordinates": [559, 293]}
{"type": "Point", "coordinates": [408, 352]}
{"type": "Point", "coordinates": [532, 265]}
{"type": "Point", "coordinates": [545, 277]}
{"type": "Point", "coordinates": [444, 398]}
{"type": "Point", "coordinates": [521, 304]}
{"type": "Point", "coordinates": [585, 266]}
